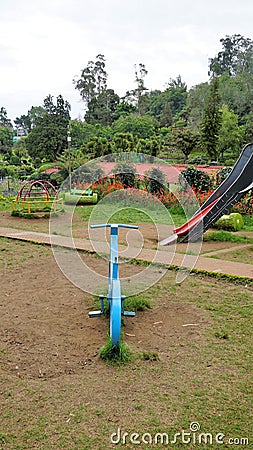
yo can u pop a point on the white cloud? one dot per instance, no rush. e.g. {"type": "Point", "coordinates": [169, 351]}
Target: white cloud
{"type": "Point", "coordinates": [45, 43]}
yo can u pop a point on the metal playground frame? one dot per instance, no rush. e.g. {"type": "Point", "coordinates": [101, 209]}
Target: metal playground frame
{"type": "Point", "coordinates": [114, 297]}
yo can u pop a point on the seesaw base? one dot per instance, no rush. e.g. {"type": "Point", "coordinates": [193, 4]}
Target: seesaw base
{"type": "Point", "coordinates": [101, 311]}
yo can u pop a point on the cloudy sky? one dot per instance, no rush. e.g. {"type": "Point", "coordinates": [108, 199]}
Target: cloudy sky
{"type": "Point", "coordinates": [44, 44]}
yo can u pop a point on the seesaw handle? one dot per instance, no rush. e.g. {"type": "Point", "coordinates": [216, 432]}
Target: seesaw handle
{"type": "Point", "coordinates": [114, 225]}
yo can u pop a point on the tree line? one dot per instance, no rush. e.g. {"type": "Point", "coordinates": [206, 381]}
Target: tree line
{"type": "Point", "coordinates": [210, 121]}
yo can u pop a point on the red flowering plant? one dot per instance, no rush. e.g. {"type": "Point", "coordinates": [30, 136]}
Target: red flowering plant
{"type": "Point", "coordinates": [169, 199]}
{"type": "Point", "coordinates": [105, 186]}
{"type": "Point", "coordinates": [245, 205]}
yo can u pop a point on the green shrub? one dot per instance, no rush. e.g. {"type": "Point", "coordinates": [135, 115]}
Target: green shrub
{"type": "Point", "coordinates": [197, 179]}
{"type": "Point", "coordinates": [222, 174]}
{"type": "Point", "coordinates": [71, 199]}
{"type": "Point", "coordinates": [231, 222]}
{"type": "Point", "coordinates": [155, 180]}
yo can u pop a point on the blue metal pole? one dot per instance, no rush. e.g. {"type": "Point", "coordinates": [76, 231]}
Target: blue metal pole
{"type": "Point", "coordinates": [114, 290]}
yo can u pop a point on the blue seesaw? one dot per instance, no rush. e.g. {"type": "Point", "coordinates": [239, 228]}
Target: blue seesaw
{"type": "Point", "coordinates": [114, 297]}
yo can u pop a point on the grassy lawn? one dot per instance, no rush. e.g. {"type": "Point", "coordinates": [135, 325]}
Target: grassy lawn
{"type": "Point", "coordinates": [248, 223]}
{"type": "Point", "coordinates": [5, 203]}
{"type": "Point", "coordinates": [130, 215]}
{"type": "Point", "coordinates": [176, 216]}
{"type": "Point", "coordinates": [227, 236]}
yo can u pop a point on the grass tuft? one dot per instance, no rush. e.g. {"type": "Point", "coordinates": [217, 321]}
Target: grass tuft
{"type": "Point", "coordinates": [115, 354]}
{"type": "Point", "coordinates": [226, 236]}
{"type": "Point", "coordinates": [137, 303]}
{"type": "Point", "coordinates": [149, 356]}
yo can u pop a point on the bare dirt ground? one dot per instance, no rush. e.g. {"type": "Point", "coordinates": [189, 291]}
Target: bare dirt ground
{"type": "Point", "coordinates": [45, 324]}
{"type": "Point", "coordinates": [56, 392]}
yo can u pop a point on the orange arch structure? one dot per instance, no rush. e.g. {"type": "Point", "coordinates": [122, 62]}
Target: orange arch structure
{"type": "Point", "coordinates": [38, 198]}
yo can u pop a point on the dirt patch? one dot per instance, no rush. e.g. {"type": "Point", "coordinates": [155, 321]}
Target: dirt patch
{"type": "Point", "coordinates": [57, 393]}
{"type": "Point", "coordinates": [40, 225]}
{"type": "Point", "coordinates": [46, 331]}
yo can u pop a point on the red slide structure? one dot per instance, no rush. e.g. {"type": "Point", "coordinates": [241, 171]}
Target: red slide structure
{"type": "Point", "coordinates": [186, 227]}
{"type": "Point", "coordinates": [235, 186]}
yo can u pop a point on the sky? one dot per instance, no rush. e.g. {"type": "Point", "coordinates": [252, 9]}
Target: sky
{"type": "Point", "coordinates": [45, 44]}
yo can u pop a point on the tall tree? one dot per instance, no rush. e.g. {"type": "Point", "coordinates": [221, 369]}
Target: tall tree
{"type": "Point", "coordinates": [236, 56]}
{"type": "Point", "coordinates": [141, 126]}
{"type": "Point", "coordinates": [185, 139]}
{"type": "Point", "coordinates": [4, 120]}
{"type": "Point", "coordinates": [6, 141]}
{"type": "Point", "coordinates": [236, 92]}
{"type": "Point", "coordinates": [196, 100]}
{"type": "Point", "coordinates": [231, 134]}
{"type": "Point", "coordinates": [136, 96]}
{"type": "Point", "coordinates": [177, 94]}
{"type": "Point", "coordinates": [93, 80]}
{"type": "Point", "coordinates": [102, 109]}
{"type": "Point", "coordinates": [27, 121]}
{"type": "Point", "coordinates": [48, 138]}
{"type": "Point", "coordinates": [211, 122]}
{"type": "Point", "coordinates": [166, 118]}
{"type": "Point", "coordinates": [140, 73]}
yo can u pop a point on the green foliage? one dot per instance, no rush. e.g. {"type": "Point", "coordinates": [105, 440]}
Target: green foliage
{"type": "Point", "coordinates": [6, 139]}
{"type": "Point", "coordinates": [177, 92]}
{"type": "Point", "coordinates": [211, 122]}
{"type": "Point", "coordinates": [93, 80]}
{"type": "Point", "coordinates": [141, 126]}
{"type": "Point", "coordinates": [8, 170]}
{"type": "Point", "coordinates": [81, 133]}
{"type": "Point", "coordinates": [98, 146]}
{"type": "Point", "coordinates": [125, 173]}
{"type": "Point", "coordinates": [197, 179]}
{"type": "Point", "coordinates": [232, 222]}
{"type": "Point", "coordinates": [247, 122]}
{"type": "Point", "coordinates": [124, 109]}
{"type": "Point", "coordinates": [115, 354]}
{"type": "Point", "coordinates": [231, 134]}
{"type": "Point", "coordinates": [137, 303]}
{"type": "Point", "coordinates": [196, 101]}
{"type": "Point", "coordinates": [49, 137]}
{"type": "Point", "coordinates": [5, 203]}
{"type": "Point", "coordinates": [235, 57]}
{"type": "Point", "coordinates": [155, 181]}
{"type": "Point", "coordinates": [236, 93]}
{"type": "Point", "coordinates": [226, 236]}
{"type": "Point", "coordinates": [103, 108]}
{"type": "Point", "coordinates": [124, 142]}
{"type": "Point", "coordinates": [185, 139]}
{"type": "Point", "coordinates": [222, 174]}
{"type": "Point", "coordinates": [4, 120]}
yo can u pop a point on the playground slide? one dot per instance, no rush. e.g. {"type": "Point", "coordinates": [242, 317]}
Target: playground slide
{"type": "Point", "coordinates": [238, 182]}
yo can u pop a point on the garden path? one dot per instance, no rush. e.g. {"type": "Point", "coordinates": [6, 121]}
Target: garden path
{"type": "Point", "coordinates": [162, 256]}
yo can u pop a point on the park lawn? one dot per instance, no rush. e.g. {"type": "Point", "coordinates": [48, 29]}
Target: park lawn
{"type": "Point", "coordinates": [191, 361]}
{"type": "Point", "coordinates": [243, 255]}
{"type": "Point", "coordinates": [5, 203]}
